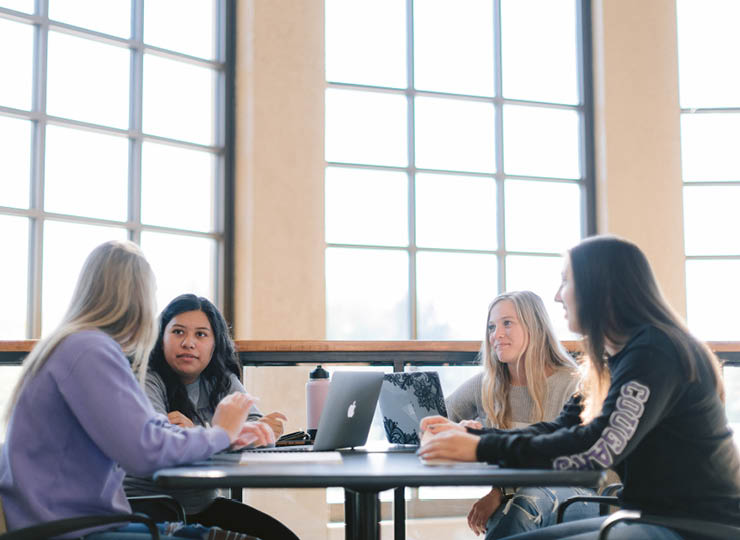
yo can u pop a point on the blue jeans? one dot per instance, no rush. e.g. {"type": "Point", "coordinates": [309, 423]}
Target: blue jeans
{"type": "Point", "coordinates": [588, 529]}
{"type": "Point", "coordinates": [535, 507]}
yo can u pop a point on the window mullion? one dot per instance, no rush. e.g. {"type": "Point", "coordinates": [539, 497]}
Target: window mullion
{"type": "Point", "coordinates": [136, 91]}
{"type": "Point", "coordinates": [411, 94]}
{"type": "Point", "coordinates": [38, 144]}
{"type": "Point", "coordinates": [499, 150]}
{"type": "Point", "coordinates": [585, 81]}
{"type": "Point", "coordinates": [224, 211]}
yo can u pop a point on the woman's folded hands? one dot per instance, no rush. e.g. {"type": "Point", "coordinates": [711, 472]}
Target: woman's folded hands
{"type": "Point", "coordinates": [443, 439]}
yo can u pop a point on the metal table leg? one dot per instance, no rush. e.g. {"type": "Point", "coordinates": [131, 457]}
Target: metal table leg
{"type": "Point", "coordinates": [361, 515]}
{"type": "Point", "coordinates": [399, 514]}
{"type": "Point", "coordinates": [350, 509]}
{"type": "Point", "coordinates": [237, 494]}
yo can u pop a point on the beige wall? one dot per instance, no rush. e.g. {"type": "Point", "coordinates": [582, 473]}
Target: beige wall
{"type": "Point", "coordinates": [279, 285]}
{"type": "Point", "coordinates": [638, 161]}
{"type": "Point", "coordinates": [279, 273]}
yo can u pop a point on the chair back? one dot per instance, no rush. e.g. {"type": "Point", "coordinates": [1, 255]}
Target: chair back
{"type": "Point", "coordinates": [158, 507]}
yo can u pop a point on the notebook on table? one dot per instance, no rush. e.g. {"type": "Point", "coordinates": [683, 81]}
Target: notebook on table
{"type": "Point", "coordinates": [344, 423]}
{"type": "Point", "coordinates": [406, 398]}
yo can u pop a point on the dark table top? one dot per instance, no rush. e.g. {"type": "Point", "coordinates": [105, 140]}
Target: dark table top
{"type": "Point", "coordinates": [366, 471]}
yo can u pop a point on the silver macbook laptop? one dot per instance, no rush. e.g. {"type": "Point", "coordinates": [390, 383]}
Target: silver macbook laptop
{"type": "Point", "coordinates": [347, 413]}
{"type": "Point", "coordinates": [405, 399]}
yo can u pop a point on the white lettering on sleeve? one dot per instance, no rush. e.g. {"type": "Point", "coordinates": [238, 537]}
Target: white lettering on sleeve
{"type": "Point", "coordinates": [622, 426]}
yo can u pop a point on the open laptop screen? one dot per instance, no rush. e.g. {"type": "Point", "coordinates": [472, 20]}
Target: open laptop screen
{"type": "Point", "coordinates": [405, 399]}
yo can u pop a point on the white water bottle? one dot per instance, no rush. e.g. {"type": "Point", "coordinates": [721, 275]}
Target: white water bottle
{"type": "Point", "coordinates": [317, 388]}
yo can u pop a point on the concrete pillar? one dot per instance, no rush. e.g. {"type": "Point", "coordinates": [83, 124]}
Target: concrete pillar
{"type": "Point", "coordinates": [279, 236]}
{"type": "Point", "coordinates": [638, 147]}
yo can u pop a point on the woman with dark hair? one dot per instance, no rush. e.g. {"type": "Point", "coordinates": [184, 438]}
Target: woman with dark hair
{"type": "Point", "coordinates": [218, 373]}
{"type": "Point", "coordinates": [192, 366]}
{"type": "Point", "coordinates": [651, 404]}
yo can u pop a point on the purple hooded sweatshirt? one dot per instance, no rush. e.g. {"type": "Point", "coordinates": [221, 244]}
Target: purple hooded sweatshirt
{"type": "Point", "coordinates": [80, 424]}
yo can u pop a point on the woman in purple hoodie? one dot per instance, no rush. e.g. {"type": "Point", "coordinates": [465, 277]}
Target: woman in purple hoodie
{"type": "Point", "coordinates": [78, 420]}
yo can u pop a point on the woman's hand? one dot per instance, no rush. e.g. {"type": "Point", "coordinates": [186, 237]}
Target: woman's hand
{"type": "Point", "coordinates": [179, 419]}
{"type": "Point", "coordinates": [231, 412]}
{"type": "Point", "coordinates": [275, 421]}
{"type": "Point", "coordinates": [483, 509]}
{"type": "Point", "coordinates": [449, 441]}
{"type": "Point", "coordinates": [472, 424]}
{"type": "Point", "coordinates": [436, 423]}
{"type": "Point", "coordinates": [254, 433]}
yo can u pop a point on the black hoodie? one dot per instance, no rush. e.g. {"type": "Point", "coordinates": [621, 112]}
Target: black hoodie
{"type": "Point", "coordinates": [667, 438]}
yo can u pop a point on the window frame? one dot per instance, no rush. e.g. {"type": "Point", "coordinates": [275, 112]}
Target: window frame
{"type": "Point", "coordinates": [694, 106]}
{"type": "Point", "coordinates": [586, 182]}
{"type": "Point", "coordinates": [709, 183]}
{"type": "Point", "coordinates": [222, 148]}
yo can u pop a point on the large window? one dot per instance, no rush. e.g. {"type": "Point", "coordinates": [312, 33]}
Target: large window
{"type": "Point", "coordinates": [709, 90]}
{"type": "Point", "coordinates": [112, 126]}
{"type": "Point", "coordinates": [458, 159]}
{"type": "Point", "coordinates": [709, 86]}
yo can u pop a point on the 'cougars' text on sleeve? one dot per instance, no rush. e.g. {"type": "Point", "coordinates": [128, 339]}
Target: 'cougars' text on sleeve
{"type": "Point", "coordinates": [613, 440]}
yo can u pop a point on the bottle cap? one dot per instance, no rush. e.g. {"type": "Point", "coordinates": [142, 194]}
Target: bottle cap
{"type": "Point", "coordinates": [319, 373]}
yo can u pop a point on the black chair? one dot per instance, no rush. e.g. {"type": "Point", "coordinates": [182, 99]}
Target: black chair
{"type": "Point", "coordinates": [606, 497]}
{"type": "Point", "coordinates": [63, 526]}
{"type": "Point", "coordinates": [148, 509]}
{"type": "Point", "coordinates": [703, 528]}
{"type": "Point", "coordinates": [158, 507]}
{"type": "Point", "coordinates": [700, 527]}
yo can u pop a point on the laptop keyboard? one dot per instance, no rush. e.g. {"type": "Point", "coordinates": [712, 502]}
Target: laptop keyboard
{"type": "Point", "coordinates": [279, 449]}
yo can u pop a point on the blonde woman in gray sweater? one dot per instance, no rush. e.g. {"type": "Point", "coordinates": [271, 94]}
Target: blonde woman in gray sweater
{"type": "Point", "coordinates": [527, 376]}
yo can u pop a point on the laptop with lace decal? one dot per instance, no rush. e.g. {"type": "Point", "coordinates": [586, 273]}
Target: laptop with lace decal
{"type": "Point", "coordinates": [406, 398]}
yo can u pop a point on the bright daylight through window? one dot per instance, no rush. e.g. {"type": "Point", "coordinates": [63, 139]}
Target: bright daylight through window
{"type": "Point", "coordinates": [457, 165]}
{"type": "Point", "coordinates": [452, 137]}
{"type": "Point", "coordinates": [111, 127]}
{"type": "Point", "coordinates": [710, 138]}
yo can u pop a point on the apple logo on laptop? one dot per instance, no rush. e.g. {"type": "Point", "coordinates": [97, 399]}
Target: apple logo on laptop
{"type": "Point", "coordinates": [351, 409]}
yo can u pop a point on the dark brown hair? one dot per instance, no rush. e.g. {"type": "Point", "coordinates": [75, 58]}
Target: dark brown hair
{"type": "Point", "coordinates": [217, 374]}
{"type": "Point", "coordinates": [616, 293]}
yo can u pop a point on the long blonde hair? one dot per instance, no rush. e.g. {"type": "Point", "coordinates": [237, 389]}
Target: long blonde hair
{"type": "Point", "coordinates": [542, 350]}
{"type": "Point", "coordinates": [115, 294]}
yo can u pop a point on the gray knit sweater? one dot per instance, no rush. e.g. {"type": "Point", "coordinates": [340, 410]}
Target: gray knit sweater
{"type": "Point", "coordinates": [194, 500]}
{"type": "Point", "coordinates": [465, 402]}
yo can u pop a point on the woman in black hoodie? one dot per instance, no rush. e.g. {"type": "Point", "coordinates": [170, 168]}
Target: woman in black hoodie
{"type": "Point", "coordinates": [651, 403]}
